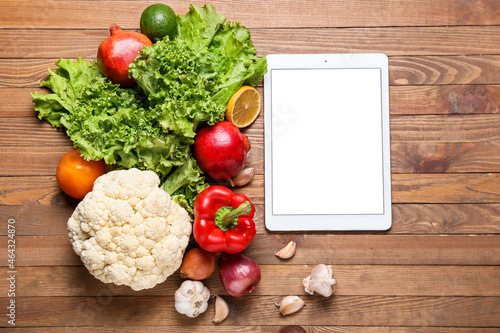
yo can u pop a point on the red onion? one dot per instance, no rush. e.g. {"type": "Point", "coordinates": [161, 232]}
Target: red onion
{"type": "Point", "coordinates": [239, 274]}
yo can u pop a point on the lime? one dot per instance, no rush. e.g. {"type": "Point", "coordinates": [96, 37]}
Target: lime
{"type": "Point", "coordinates": [158, 21]}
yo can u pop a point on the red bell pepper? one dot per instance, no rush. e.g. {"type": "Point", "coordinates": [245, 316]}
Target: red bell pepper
{"type": "Point", "coordinates": [223, 220]}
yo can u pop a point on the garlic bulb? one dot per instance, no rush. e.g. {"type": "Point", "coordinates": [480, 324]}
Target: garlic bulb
{"type": "Point", "coordinates": [291, 304]}
{"type": "Point", "coordinates": [288, 251]}
{"type": "Point", "coordinates": [221, 309]}
{"type": "Point", "coordinates": [191, 298]}
{"type": "Point", "coordinates": [320, 281]}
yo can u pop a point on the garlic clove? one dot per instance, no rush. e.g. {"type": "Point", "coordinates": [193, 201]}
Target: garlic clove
{"type": "Point", "coordinates": [291, 304]}
{"type": "Point", "coordinates": [221, 309]}
{"type": "Point", "coordinates": [243, 178]}
{"type": "Point", "coordinates": [320, 281]}
{"type": "Point", "coordinates": [288, 251]}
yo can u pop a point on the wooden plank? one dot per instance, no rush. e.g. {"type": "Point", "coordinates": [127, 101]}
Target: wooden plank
{"type": "Point", "coordinates": [444, 70]}
{"type": "Point", "coordinates": [261, 329]}
{"type": "Point", "coordinates": [338, 310]}
{"type": "Point", "coordinates": [37, 220]}
{"type": "Point", "coordinates": [481, 128]}
{"type": "Point", "coordinates": [31, 131]}
{"type": "Point", "coordinates": [436, 270]}
{"type": "Point", "coordinates": [279, 280]}
{"type": "Point", "coordinates": [406, 188]}
{"type": "Point", "coordinates": [18, 73]}
{"type": "Point", "coordinates": [411, 70]}
{"type": "Point", "coordinates": [66, 43]}
{"type": "Point", "coordinates": [30, 160]}
{"type": "Point", "coordinates": [422, 157]}
{"type": "Point", "coordinates": [446, 188]}
{"type": "Point", "coordinates": [16, 102]}
{"type": "Point", "coordinates": [445, 218]}
{"type": "Point", "coordinates": [20, 191]}
{"type": "Point", "coordinates": [425, 157]}
{"type": "Point", "coordinates": [407, 100]}
{"type": "Point", "coordinates": [341, 249]}
{"type": "Point", "coordinates": [82, 14]}
{"type": "Point", "coordinates": [445, 128]}
{"type": "Point", "coordinates": [446, 99]}
{"type": "Point", "coordinates": [415, 219]}
{"type": "Point", "coordinates": [393, 41]}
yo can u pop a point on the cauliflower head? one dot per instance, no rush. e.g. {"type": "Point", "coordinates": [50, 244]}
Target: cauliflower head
{"type": "Point", "coordinates": [128, 231]}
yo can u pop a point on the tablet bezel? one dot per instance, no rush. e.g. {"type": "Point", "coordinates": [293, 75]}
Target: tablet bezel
{"type": "Point", "coordinates": [333, 222]}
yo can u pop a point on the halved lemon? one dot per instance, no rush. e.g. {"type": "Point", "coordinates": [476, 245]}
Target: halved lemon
{"type": "Point", "coordinates": [243, 107]}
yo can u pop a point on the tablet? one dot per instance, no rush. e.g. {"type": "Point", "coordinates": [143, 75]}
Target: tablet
{"type": "Point", "coordinates": [327, 152]}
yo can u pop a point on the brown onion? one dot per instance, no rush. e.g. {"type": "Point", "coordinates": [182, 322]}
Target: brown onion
{"type": "Point", "coordinates": [198, 264]}
{"type": "Point", "coordinates": [239, 274]}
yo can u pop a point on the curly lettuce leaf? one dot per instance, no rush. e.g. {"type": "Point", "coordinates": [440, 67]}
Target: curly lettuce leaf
{"type": "Point", "coordinates": [190, 79]}
{"type": "Point", "coordinates": [227, 57]}
{"type": "Point", "coordinates": [66, 83]}
{"type": "Point", "coordinates": [107, 122]}
{"type": "Point", "coordinates": [199, 26]}
{"type": "Point", "coordinates": [185, 183]}
{"type": "Point", "coordinates": [181, 83]}
{"type": "Point", "coordinates": [169, 73]}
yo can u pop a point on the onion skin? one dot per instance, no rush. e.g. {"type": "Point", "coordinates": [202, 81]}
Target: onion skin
{"type": "Point", "coordinates": [198, 264]}
{"type": "Point", "coordinates": [239, 274]}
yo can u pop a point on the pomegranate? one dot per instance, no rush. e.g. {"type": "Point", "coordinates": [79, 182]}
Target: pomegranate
{"type": "Point", "coordinates": [221, 150]}
{"type": "Point", "coordinates": [117, 52]}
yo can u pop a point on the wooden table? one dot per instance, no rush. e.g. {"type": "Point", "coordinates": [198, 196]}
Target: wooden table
{"type": "Point", "coordinates": [436, 269]}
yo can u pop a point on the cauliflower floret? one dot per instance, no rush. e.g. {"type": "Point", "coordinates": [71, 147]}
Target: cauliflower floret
{"type": "Point", "coordinates": [128, 231]}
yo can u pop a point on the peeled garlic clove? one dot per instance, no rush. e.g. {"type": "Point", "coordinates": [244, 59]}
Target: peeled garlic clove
{"type": "Point", "coordinates": [288, 251]}
{"type": "Point", "coordinates": [221, 309]}
{"type": "Point", "coordinates": [320, 281]}
{"type": "Point", "coordinates": [291, 304]}
{"type": "Point", "coordinates": [243, 178]}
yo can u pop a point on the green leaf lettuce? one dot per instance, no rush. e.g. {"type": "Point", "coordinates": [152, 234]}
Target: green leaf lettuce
{"type": "Point", "coordinates": [181, 83]}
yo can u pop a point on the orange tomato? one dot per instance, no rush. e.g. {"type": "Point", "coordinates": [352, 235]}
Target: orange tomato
{"type": "Point", "coordinates": [76, 176]}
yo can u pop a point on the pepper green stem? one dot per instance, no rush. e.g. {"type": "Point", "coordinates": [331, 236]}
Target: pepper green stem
{"type": "Point", "coordinates": [227, 217]}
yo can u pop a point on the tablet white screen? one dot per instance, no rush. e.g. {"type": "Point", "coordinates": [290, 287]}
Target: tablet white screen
{"type": "Point", "coordinates": [327, 141]}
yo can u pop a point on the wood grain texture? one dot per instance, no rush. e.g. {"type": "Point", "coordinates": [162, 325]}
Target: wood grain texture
{"type": "Point", "coordinates": [445, 70]}
{"type": "Point", "coordinates": [24, 131]}
{"type": "Point", "coordinates": [263, 329]}
{"type": "Point", "coordinates": [406, 188]}
{"type": "Point", "coordinates": [339, 310]}
{"type": "Point", "coordinates": [256, 14]}
{"type": "Point", "coordinates": [435, 270]}
{"type": "Point", "coordinates": [445, 128]}
{"type": "Point", "coordinates": [393, 41]}
{"type": "Point", "coordinates": [447, 99]}
{"type": "Point", "coordinates": [17, 102]}
{"type": "Point", "coordinates": [446, 188]}
{"type": "Point", "coordinates": [411, 70]}
{"type": "Point", "coordinates": [446, 218]}
{"type": "Point", "coordinates": [31, 160]}
{"type": "Point", "coordinates": [407, 157]}
{"type": "Point", "coordinates": [408, 219]}
{"type": "Point", "coordinates": [279, 280]}
{"type": "Point", "coordinates": [31, 131]}
{"type": "Point", "coordinates": [364, 249]}
{"type": "Point", "coordinates": [404, 100]}
{"type": "Point", "coordinates": [433, 157]}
